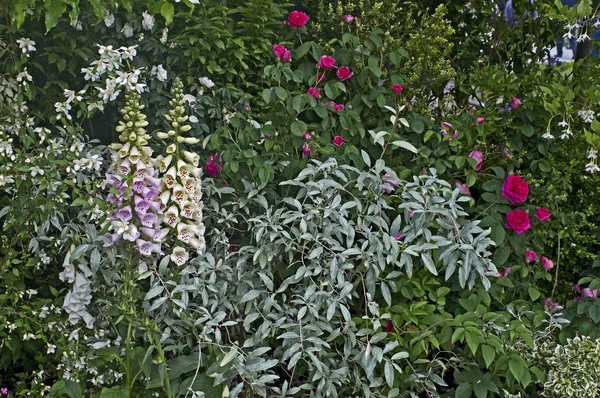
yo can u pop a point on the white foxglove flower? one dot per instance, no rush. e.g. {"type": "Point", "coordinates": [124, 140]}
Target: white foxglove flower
{"type": "Point", "coordinates": [147, 21]}
{"type": "Point", "coordinates": [179, 255]}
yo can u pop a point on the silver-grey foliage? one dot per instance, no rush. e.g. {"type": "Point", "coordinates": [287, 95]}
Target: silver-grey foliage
{"type": "Point", "coordinates": [296, 312]}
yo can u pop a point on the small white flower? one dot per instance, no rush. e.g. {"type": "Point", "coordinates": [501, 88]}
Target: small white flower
{"type": "Point", "coordinates": [36, 170]}
{"type": "Point", "coordinates": [583, 37]}
{"type": "Point", "coordinates": [159, 72]}
{"type": "Point", "coordinates": [147, 21]}
{"type": "Point", "coordinates": [586, 115]}
{"type": "Point", "coordinates": [206, 82]}
{"type": "Point", "coordinates": [592, 154]}
{"type": "Point", "coordinates": [592, 167]}
{"type": "Point", "coordinates": [77, 24]}
{"type": "Point", "coordinates": [24, 76]}
{"type": "Point", "coordinates": [28, 336]}
{"type": "Point", "coordinates": [189, 98]}
{"type": "Point", "coordinates": [109, 19]}
{"type": "Point", "coordinates": [548, 136]}
{"type": "Point", "coordinates": [128, 52]}
{"type": "Point", "coordinates": [26, 45]}
{"type": "Point", "coordinates": [127, 30]}
{"type": "Point", "coordinates": [165, 35]}
{"type": "Point", "coordinates": [50, 349]}
{"type": "Point", "coordinates": [563, 124]}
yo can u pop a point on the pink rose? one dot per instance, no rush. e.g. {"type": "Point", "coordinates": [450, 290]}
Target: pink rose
{"type": "Point", "coordinates": [326, 62]}
{"type": "Point", "coordinates": [587, 292]}
{"type": "Point", "coordinates": [542, 214]}
{"type": "Point", "coordinates": [348, 18]}
{"type": "Point", "coordinates": [530, 256]}
{"type": "Point", "coordinates": [480, 120]}
{"type": "Point", "coordinates": [281, 53]}
{"type": "Point", "coordinates": [213, 168]}
{"type": "Point", "coordinates": [307, 136]}
{"type": "Point", "coordinates": [397, 88]}
{"type": "Point", "coordinates": [338, 140]}
{"type": "Point", "coordinates": [550, 305]}
{"type": "Point", "coordinates": [446, 127]}
{"type": "Point", "coordinates": [515, 189]}
{"type": "Point", "coordinates": [389, 184]}
{"type": "Point", "coordinates": [518, 221]}
{"type": "Point", "coordinates": [515, 103]}
{"type": "Point", "coordinates": [314, 91]}
{"type": "Point", "coordinates": [547, 264]}
{"type": "Point", "coordinates": [463, 189]}
{"type": "Point", "coordinates": [339, 107]}
{"type": "Point", "coordinates": [478, 156]}
{"type": "Point", "coordinates": [344, 73]}
{"type": "Point", "coordinates": [297, 19]}
{"type": "Point", "coordinates": [306, 149]}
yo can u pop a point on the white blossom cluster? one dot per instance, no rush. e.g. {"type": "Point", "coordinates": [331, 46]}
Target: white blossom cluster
{"type": "Point", "coordinates": [592, 166]}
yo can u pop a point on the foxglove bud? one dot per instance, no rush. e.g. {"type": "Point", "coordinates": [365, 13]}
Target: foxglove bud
{"type": "Point", "coordinates": [185, 128]}
{"type": "Point", "coordinates": [162, 136]}
{"type": "Point", "coordinates": [191, 140]}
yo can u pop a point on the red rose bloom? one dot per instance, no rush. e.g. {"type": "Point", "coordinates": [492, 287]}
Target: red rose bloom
{"type": "Point", "coordinates": [517, 220]}
{"type": "Point", "coordinates": [326, 62]}
{"type": "Point", "coordinates": [515, 189]}
{"type": "Point", "coordinates": [397, 88]}
{"type": "Point", "coordinates": [281, 53]}
{"type": "Point", "coordinates": [344, 73]}
{"type": "Point", "coordinates": [542, 214]}
{"type": "Point", "coordinates": [297, 19]}
{"type": "Point", "coordinates": [338, 140]}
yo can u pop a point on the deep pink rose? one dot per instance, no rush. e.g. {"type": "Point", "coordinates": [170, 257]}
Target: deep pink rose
{"type": "Point", "coordinates": [517, 220]}
{"type": "Point", "coordinates": [463, 189]}
{"type": "Point", "coordinates": [480, 120]}
{"type": "Point", "coordinates": [297, 19]}
{"type": "Point", "coordinates": [348, 18]}
{"type": "Point", "coordinates": [478, 156]}
{"type": "Point", "coordinates": [515, 189]}
{"type": "Point", "coordinates": [550, 305]}
{"type": "Point", "coordinates": [307, 136]}
{"type": "Point", "coordinates": [530, 256]}
{"type": "Point", "coordinates": [542, 214]}
{"type": "Point", "coordinates": [212, 169]}
{"type": "Point", "coordinates": [397, 88]}
{"type": "Point", "coordinates": [339, 107]}
{"type": "Point", "coordinates": [306, 149]}
{"type": "Point", "coordinates": [281, 53]}
{"type": "Point", "coordinates": [344, 73]}
{"type": "Point", "coordinates": [326, 62]}
{"type": "Point", "coordinates": [338, 140]}
{"type": "Point", "coordinates": [399, 236]}
{"type": "Point", "coordinates": [314, 91]}
{"type": "Point", "coordinates": [515, 103]}
{"type": "Point", "coordinates": [547, 264]}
